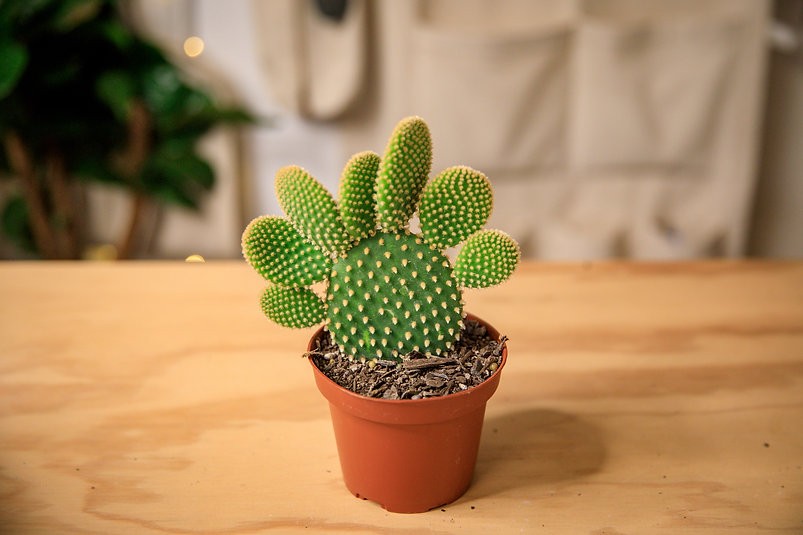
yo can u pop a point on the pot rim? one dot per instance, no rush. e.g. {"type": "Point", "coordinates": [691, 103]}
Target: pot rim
{"type": "Point", "coordinates": [490, 383]}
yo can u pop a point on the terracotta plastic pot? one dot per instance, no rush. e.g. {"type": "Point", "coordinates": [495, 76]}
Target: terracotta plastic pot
{"type": "Point", "coordinates": [409, 456]}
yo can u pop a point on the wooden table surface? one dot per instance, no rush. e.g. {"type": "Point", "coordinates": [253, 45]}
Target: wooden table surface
{"type": "Point", "coordinates": [154, 398]}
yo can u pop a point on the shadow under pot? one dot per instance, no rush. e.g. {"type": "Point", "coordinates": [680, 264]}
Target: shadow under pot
{"type": "Point", "coordinates": [409, 456]}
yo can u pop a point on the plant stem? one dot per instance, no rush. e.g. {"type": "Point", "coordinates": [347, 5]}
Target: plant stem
{"type": "Point", "coordinates": [129, 242]}
{"type": "Point", "coordinates": [22, 164]}
{"type": "Point", "coordinates": [66, 229]}
{"type": "Point", "coordinates": [131, 162]}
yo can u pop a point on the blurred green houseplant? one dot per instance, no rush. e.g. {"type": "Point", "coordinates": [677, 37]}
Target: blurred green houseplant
{"type": "Point", "coordinates": [83, 98]}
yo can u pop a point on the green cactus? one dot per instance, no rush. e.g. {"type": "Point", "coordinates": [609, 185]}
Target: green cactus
{"type": "Point", "coordinates": [389, 291]}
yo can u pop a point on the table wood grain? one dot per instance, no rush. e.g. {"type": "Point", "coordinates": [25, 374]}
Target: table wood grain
{"type": "Point", "coordinates": [154, 398]}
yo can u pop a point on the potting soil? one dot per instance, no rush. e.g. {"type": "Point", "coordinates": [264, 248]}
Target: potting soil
{"type": "Point", "coordinates": [472, 360]}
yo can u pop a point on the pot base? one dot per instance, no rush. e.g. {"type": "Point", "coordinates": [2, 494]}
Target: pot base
{"type": "Point", "coordinates": [408, 468]}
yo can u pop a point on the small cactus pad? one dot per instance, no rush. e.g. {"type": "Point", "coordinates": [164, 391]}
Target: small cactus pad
{"type": "Point", "coordinates": [292, 307]}
{"type": "Point", "coordinates": [393, 294]}
{"type": "Point", "coordinates": [357, 184]}
{"type": "Point", "coordinates": [276, 250]}
{"type": "Point", "coordinates": [455, 205]}
{"type": "Point", "coordinates": [404, 171]}
{"type": "Point", "coordinates": [487, 258]}
{"type": "Point", "coordinates": [311, 209]}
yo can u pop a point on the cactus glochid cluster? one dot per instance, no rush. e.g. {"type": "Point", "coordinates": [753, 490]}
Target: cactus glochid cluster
{"type": "Point", "coordinates": [389, 291]}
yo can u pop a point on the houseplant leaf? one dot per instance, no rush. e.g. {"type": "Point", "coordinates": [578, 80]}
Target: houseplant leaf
{"type": "Point", "coordinates": [117, 89]}
{"type": "Point", "coordinates": [13, 59]}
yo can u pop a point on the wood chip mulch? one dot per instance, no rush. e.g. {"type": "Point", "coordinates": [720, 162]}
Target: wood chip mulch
{"type": "Point", "coordinates": [473, 360]}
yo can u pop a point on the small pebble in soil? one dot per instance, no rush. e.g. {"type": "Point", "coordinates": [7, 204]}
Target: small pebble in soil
{"type": "Point", "coordinates": [472, 360]}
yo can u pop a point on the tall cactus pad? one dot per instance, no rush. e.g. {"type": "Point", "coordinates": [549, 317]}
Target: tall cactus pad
{"type": "Point", "coordinates": [393, 294]}
{"type": "Point", "coordinates": [357, 184]}
{"type": "Point", "coordinates": [455, 205]}
{"type": "Point", "coordinates": [281, 255]}
{"type": "Point", "coordinates": [311, 209]}
{"type": "Point", "coordinates": [486, 259]}
{"type": "Point", "coordinates": [292, 307]}
{"type": "Point", "coordinates": [404, 171]}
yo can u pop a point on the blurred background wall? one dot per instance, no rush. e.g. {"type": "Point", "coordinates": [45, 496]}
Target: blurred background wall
{"type": "Point", "coordinates": [646, 129]}
{"type": "Point", "coordinates": [777, 227]}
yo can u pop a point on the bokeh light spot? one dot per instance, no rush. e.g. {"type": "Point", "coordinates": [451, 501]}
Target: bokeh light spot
{"type": "Point", "coordinates": [193, 46]}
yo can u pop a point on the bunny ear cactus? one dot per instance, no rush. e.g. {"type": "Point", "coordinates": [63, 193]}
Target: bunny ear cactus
{"type": "Point", "coordinates": [389, 291]}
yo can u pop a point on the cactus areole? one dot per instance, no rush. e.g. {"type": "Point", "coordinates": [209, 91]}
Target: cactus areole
{"type": "Point", "coordinates": [389, 291]}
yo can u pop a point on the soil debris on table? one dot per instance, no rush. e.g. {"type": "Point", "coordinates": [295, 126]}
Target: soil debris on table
{"type": "Point", "coordinates": [474, 358]}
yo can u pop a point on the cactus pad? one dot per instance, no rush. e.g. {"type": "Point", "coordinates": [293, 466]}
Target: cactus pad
{"type": "Point", "coordinates": [393, 294]}
{"type": "Point", "coordinates": [280, 254]}
{"type": "Point", "coordinates": [487, 258]}
{"type": "Point", "coordinates": [390, 291]}
{"type": "Point", "coordinates": [311, 209]}
{"type": "Point", "coordinates": [357, 184]}
{"type": "Point", "coordinates": [455, 205]}
{"type": "Point", "coordinates": [403, 173]}
{"type": "Point", "coordinates": [292, 307]}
